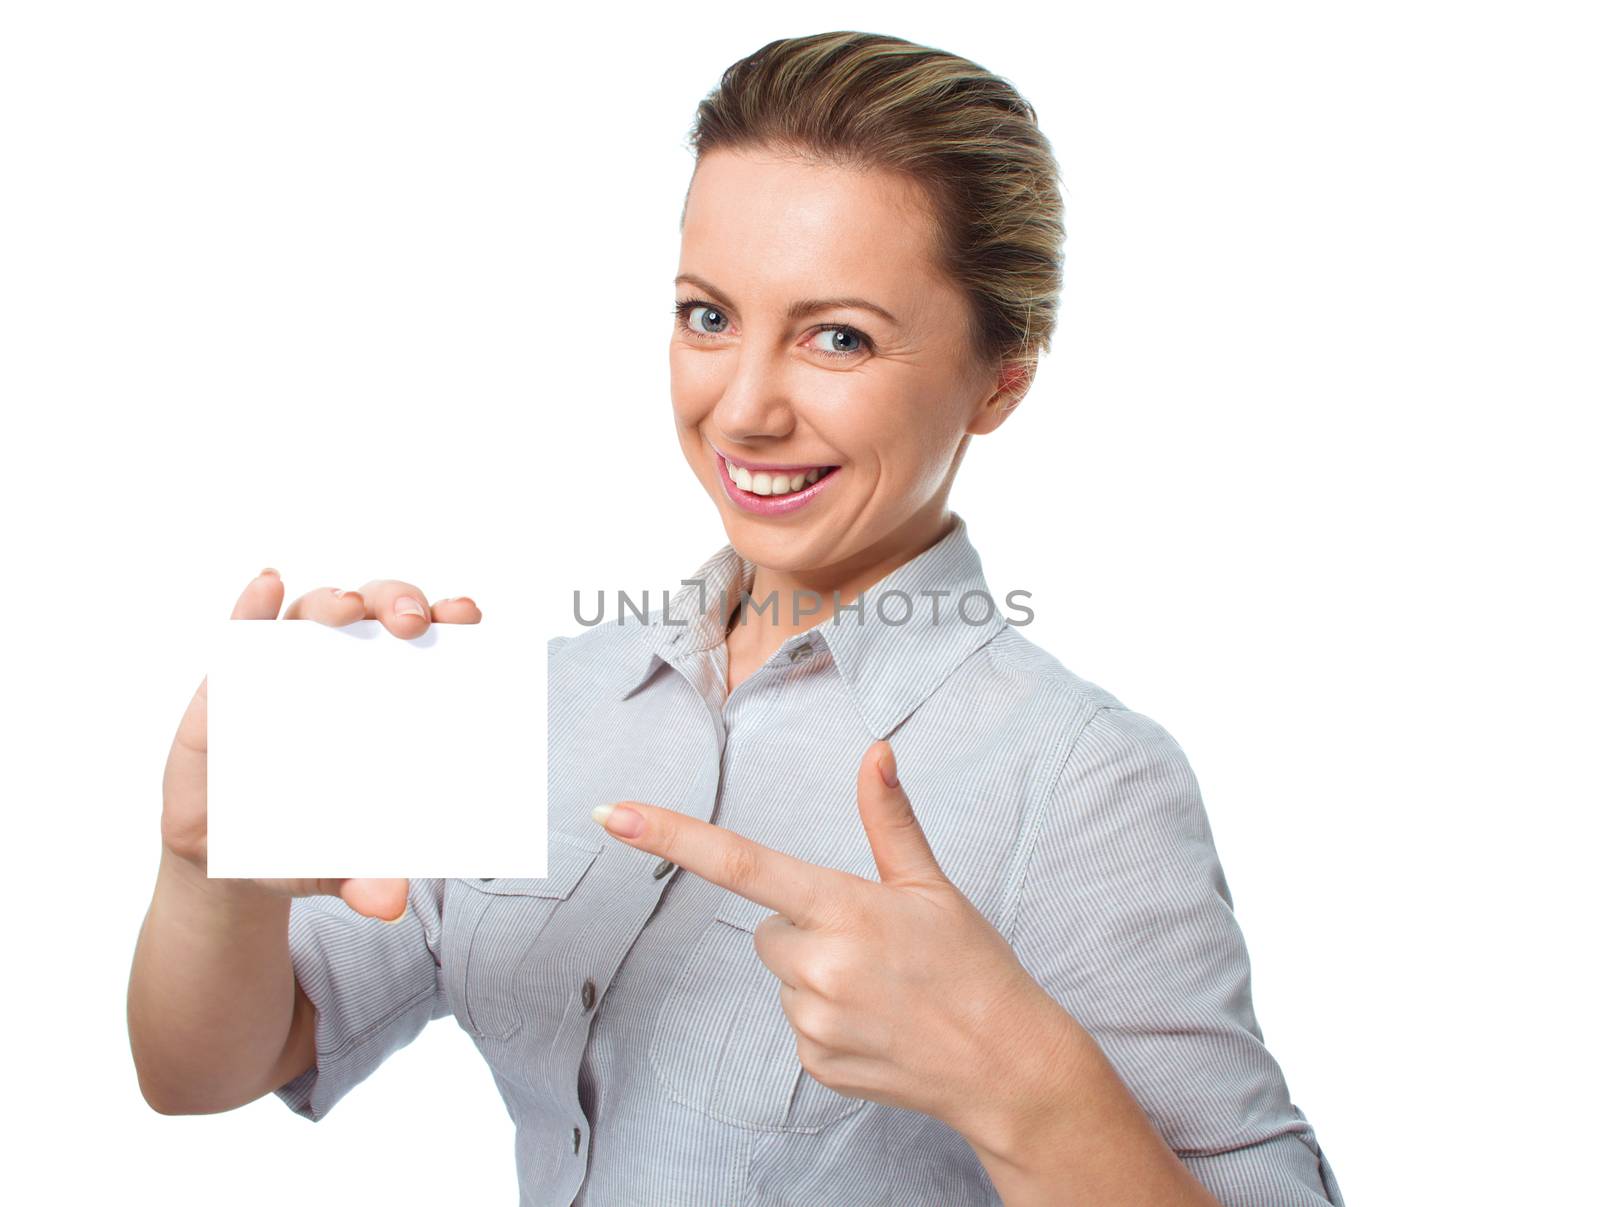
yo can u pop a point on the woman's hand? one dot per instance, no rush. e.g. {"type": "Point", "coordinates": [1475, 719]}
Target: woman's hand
{"type": "Point", "coordinates": [899, 991]}
{"type": "Point", "coordinates": [402, 609]}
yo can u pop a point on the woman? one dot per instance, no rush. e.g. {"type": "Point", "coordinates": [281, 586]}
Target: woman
{"type": "Point", "coordinates": [889, 907]}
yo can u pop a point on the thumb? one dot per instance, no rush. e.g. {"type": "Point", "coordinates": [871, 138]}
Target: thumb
{"type": "Point", "coordinates": [385, 899]}
{"type": "Point", "coordinates": [899, 847]}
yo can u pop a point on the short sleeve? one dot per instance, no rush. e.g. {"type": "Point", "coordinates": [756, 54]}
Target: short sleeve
{"type": "Point", "coordinates": [1125, 918]}
{"type": "Point", "coordinates": [375, 985]}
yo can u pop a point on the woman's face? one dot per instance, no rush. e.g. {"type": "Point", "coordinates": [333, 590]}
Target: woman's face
{"type": "Point", "coordinates": [815, 333]}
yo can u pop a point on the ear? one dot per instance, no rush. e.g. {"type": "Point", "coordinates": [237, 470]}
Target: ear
{"type": "Point", "coordinates": [1012, 380]}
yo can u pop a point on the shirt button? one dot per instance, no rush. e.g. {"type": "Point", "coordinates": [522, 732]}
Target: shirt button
{"type": "Point", "coordinates": [577, 1139]}
{"type": "Point", "coordinates": [800, 652]}
{"type": "Point", "coordinates": [662, 868]}
{"type": "Point", "coordinates": [588, 994]}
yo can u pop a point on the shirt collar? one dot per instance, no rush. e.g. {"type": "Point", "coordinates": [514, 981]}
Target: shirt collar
{"type": "Point", "coordinates": [892, 655]}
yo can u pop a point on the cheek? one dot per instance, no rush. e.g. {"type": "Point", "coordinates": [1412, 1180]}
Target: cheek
{"type": "Point", "coordinates": [910, 448]}
{"type": "Point", "coordinates": [695, 384]}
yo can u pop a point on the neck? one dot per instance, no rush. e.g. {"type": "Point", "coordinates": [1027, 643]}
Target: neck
{"type": "Point", "coordinates": [769, 628]}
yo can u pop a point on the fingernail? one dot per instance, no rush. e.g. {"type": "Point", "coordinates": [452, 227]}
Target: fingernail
{"type": "Point", "coordinates": [269, 570]}
{"type": "Point", "coordinates": [465, 599]}
{"type": "Point", "coordinates": [624, 824]}
{"type": "Point", "coordinates": [886, 769]}
{"type": "Point", "coordinates": [403, 911]}
{"type": "Point", "coordinates": [406, 606]}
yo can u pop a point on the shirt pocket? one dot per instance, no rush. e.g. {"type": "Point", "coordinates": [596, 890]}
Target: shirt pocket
{"type": "Point", "coordinates": [490, 925]}
{"type": "Point", "coordinates": [721, 1043]}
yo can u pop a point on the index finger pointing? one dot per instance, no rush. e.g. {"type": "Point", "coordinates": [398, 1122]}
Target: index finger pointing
{"type": "Point", "coordinates": [805, 893]}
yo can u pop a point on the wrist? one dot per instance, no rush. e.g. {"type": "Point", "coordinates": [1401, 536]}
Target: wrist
{"type": "Point", "coordinates": [1075, 1124]}
{"type": "Point", "coordinates": [1032, 1088]}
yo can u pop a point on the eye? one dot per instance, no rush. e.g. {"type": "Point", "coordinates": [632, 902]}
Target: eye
{"type": "Point", "coordinates": [716, 322]}
{"type": "Point", "coordinates": [839, 340]}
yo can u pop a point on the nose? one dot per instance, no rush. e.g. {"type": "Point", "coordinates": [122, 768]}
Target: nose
{"type": "Point", "coordinates": [755, 401]}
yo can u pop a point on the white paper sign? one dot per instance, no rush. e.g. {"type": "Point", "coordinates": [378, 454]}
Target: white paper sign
{"type": "Point", "coordinates": [348, 751]}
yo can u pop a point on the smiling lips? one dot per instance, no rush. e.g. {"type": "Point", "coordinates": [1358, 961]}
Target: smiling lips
{"type": "Point", "coordinates": [772, 490]}
{"type": "Point", "coordinates": [779, 481]}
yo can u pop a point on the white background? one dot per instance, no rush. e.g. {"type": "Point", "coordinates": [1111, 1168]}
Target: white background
{"type": "Point", "coordinates": [382, 290]}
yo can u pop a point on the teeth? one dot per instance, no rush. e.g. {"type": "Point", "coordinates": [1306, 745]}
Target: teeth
{"type": "Point", "coordinates": [764, 482]}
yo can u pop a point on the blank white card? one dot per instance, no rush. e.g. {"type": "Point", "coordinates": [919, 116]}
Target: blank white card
{"type": "Point", "coordinates": [348, 751]}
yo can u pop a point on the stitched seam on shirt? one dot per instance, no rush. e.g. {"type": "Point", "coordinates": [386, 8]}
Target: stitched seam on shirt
{"type": "Point", "coordinates": [349, 1045]}
{"type": "Point", "coordinates": [1037, 816]}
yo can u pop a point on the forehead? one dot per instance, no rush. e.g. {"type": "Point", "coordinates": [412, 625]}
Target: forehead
{"type": "Point", "coordinates": [756, 223]}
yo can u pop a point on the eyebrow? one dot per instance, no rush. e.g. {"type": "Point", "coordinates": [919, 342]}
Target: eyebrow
{"type": "Point", "coordinates": [799, 309]}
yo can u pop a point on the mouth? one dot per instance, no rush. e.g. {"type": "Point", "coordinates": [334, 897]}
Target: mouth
{"type": "Point", "coordinates": [765, 489]}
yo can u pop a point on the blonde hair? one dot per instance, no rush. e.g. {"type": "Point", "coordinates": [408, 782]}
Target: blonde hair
{"type": "Point", "coordinates": [963, 134]}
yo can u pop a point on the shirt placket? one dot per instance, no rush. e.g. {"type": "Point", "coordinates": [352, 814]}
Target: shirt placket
{"type": "Point", "coordinates": [742, 704]}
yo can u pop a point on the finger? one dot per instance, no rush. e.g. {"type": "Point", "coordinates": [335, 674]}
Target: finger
{"type": "Point", "coordinates": [401, 607]}
{"type": "Point", "coordinates": [458, 610]}
{"type": "Point", "coordinates": [386, 900]}
{"type": "Point", "coordinates": [328, 605]}
{"type": "Point", "coordinates": [899, 847]}
{"type": "Point", "coordinates": [261, 598]}
{"type": "Point", "coordinates": [780, 945]}
{"type": "Point", "coordinates": [808, 895]}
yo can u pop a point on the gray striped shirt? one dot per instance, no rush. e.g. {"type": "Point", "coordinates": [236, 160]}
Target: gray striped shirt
{"type": "Point", "coordinates": [639, 1042]}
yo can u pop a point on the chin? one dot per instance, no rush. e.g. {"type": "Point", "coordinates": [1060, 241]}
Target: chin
{"type": "Point", "coordinates": [776, 548]}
